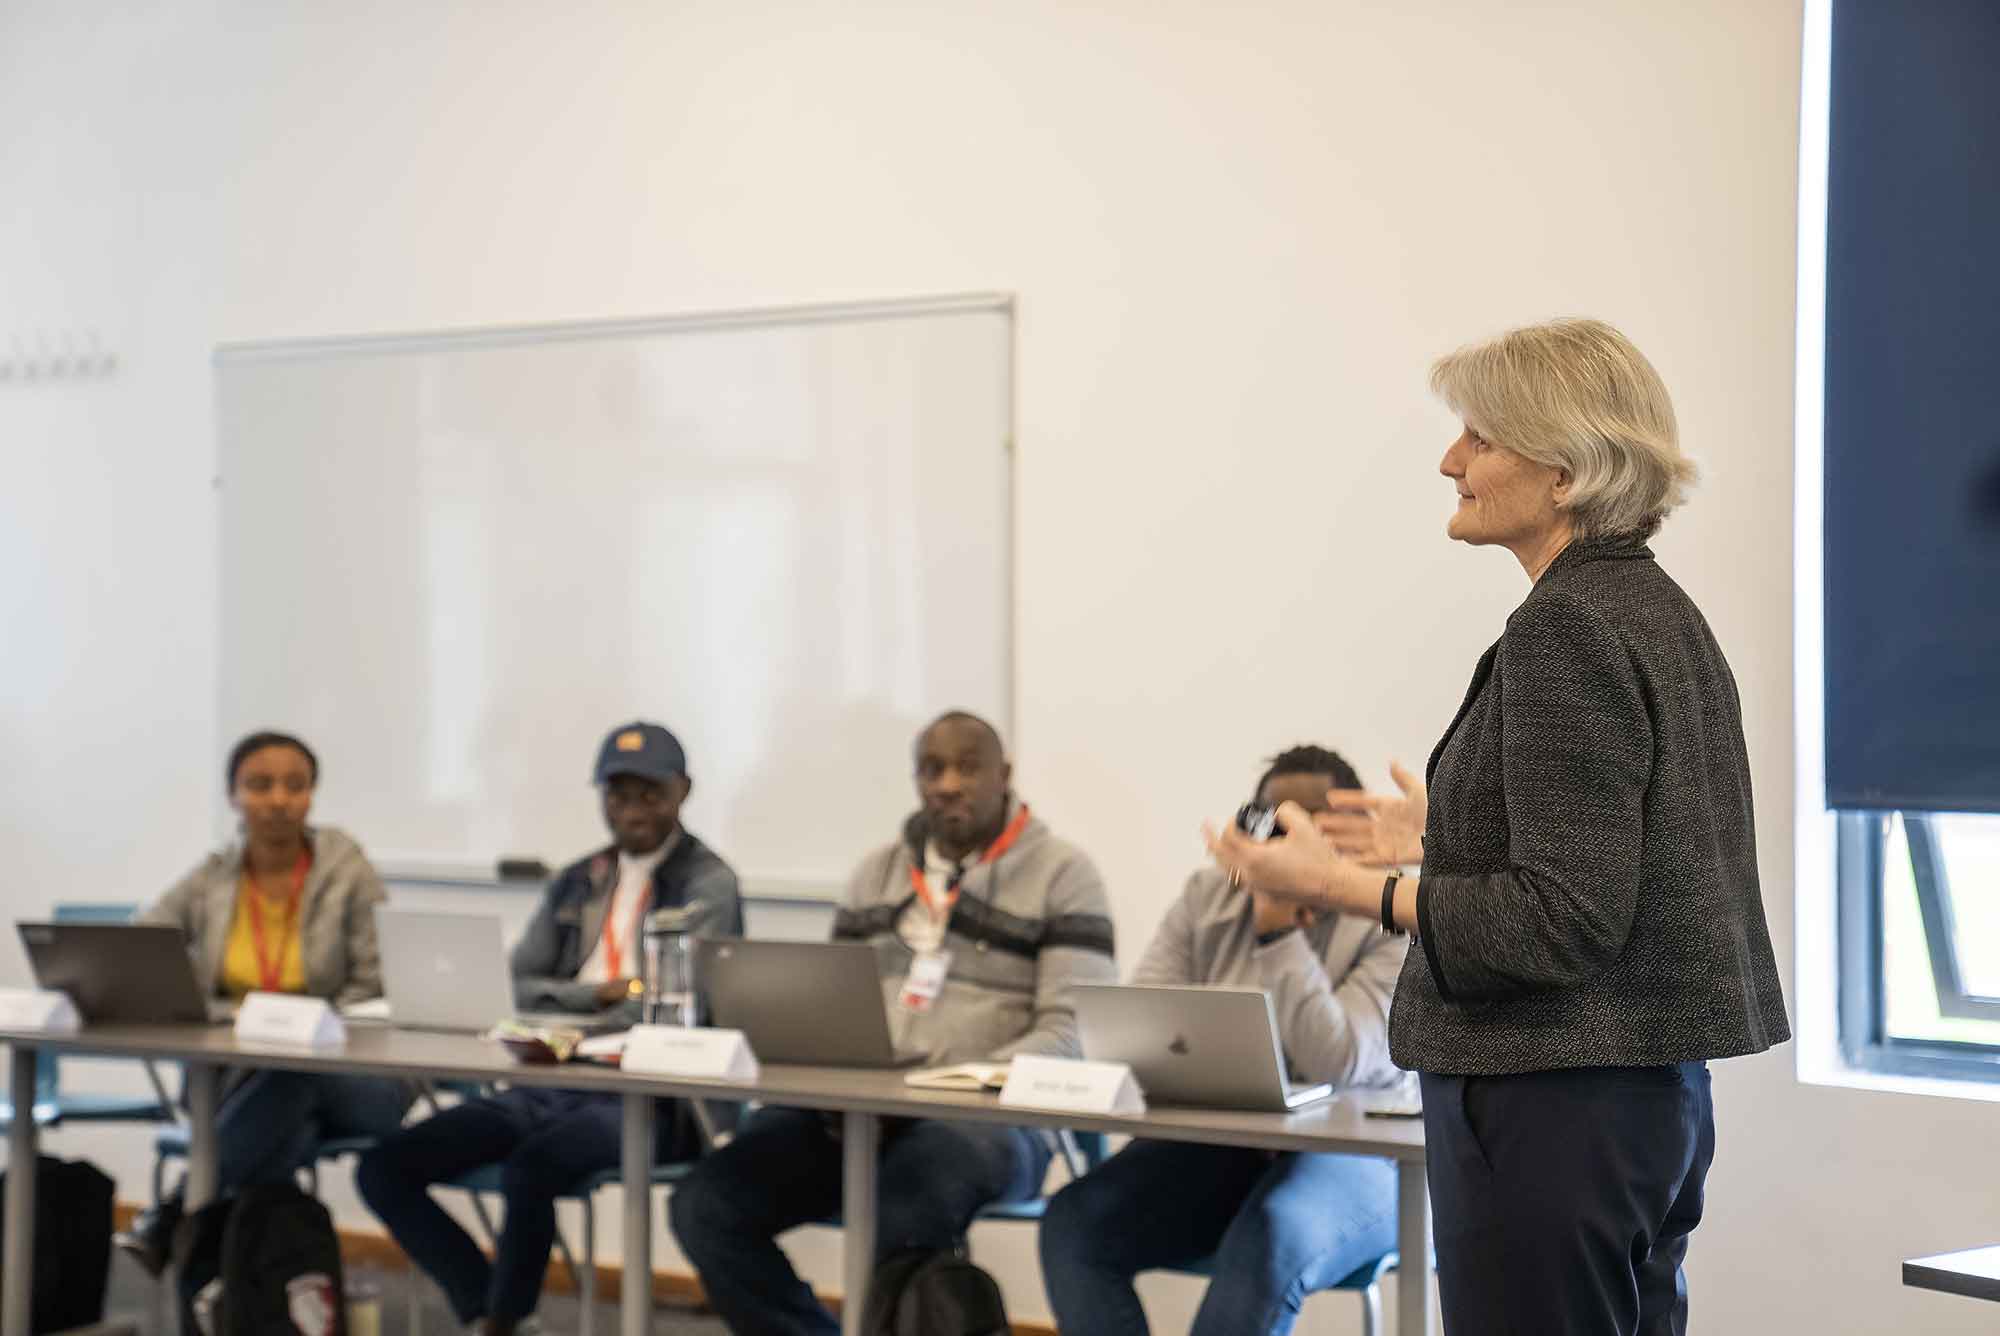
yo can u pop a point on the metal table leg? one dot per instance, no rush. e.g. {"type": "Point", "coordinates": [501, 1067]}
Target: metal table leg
{"type": "Point", "coordinates": [1413, 1244]}
{"type": "Point", "coordinates": [861, 1140]}
{"type": "Point", "coordinates": [17, 1266]}
{"type": "Point", "coordinates": [636, 1304]}
{"type": "Point", "coordinates": [202, 1080]}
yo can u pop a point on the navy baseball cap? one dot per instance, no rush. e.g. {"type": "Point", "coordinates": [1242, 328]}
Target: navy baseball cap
{"type": "Point", "coordinates": [641, 749]}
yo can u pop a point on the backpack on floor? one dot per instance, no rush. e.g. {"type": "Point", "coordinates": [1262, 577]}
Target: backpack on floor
{"type": "Point", "coordinates": [266, 1262]}
{"type": "Point", "coordinates": [72, 1227]}
{"type": "Point", "coordinates": [926, 1293]}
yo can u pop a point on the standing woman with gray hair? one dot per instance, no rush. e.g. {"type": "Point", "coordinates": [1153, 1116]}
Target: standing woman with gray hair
{"type": "Point", "coordinates": [1588, 925]}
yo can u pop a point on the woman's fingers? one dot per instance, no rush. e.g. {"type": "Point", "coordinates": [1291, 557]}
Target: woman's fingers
{"type": "Point", "coordinates": [1345, 825]}
{"type": "Point", "coordinates": [1405, 781]}
{"type": "Point", "coordinates": [1354, 800]}
{"type": "Point", "coordinates": [1293, 867]}
{"type": "Point", "coordinates": [1298, 823]}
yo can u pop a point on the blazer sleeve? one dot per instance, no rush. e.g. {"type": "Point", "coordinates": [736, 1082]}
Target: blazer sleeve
{"type": "Point", "coordinates": [1576, 759]}
{"type": "Point", "coordinates": [364, 947]}
{"type": "Point", "coordinates": [537, 987]}
{"type": "Point", "coordinates": [720, 902]}
{"type": "Point", "coordinates": [175, 909]}
{"type": "Point", "coordinates": [1076, 948]}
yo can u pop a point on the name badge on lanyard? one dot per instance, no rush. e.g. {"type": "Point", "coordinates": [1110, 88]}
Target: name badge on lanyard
{"type": "Point", "coordinates": [924, 981]}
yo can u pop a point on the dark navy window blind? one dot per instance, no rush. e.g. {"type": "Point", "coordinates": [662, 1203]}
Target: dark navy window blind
{"type": "Point", "coordinates": [1912, 445]}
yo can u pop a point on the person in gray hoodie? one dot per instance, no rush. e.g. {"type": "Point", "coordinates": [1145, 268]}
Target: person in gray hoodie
{"type": "Point", "coordinates": [287, 908]}
{"type": "Point", "coordinates": [981, 920]}
{"type": "Point", "coordinates": [1278, 1226]}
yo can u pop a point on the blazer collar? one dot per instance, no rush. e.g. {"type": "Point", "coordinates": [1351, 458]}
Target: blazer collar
{"type": "Point", "coordinates": [1583, 551]}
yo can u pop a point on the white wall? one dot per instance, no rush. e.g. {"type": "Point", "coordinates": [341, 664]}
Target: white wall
{"type": "Point", "coordinates": [1238, 234]}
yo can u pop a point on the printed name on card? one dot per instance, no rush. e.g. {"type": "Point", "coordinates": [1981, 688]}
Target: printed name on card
{"type": "Point", "coordinates": [289, 1020]}
{"type": "Point", "coordinates": [698, 1051]}
{"type": "Point", "coordinates": [1073, 1086]}
{"type": "Point", "coordinates": [42, 1010]}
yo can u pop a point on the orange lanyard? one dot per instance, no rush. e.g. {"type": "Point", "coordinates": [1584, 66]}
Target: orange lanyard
{"type": "Point", "coordinates": [993, 851]}
{"type": "Point", "coordinates": [271, 965]}
{"type": "Point", "coordinates": [614, 955]}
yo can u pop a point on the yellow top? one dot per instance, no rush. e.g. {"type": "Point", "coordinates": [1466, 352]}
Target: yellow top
{"type": "Point", "coordinates": [242, 972]}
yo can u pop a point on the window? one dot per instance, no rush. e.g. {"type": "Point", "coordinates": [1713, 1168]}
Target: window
{"type": "Point", "coordinates": [1920, 943]}
{"type": "Point", "coordinates": [1908, 552]}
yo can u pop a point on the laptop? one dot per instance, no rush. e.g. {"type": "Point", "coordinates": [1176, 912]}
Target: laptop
{"type": "Point", "coordinates": [818, 1003]}
{"type": "Point", "coordinates": [1207, 1047]}
{"type": "Point", "coordinates": [120, 972]}
{"type": "Point", "coordinates": [445, 971]}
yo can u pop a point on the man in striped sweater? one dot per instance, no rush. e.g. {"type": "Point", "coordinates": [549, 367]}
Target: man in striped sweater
{"type": "Point", "coordinates": [981, 919]}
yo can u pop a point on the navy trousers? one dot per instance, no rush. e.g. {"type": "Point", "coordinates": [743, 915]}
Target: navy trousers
{"type": "Point", "coordinates": [1564, 1199]}
{"type": "Point", "coordinates": [545, 1142]}
{"type": "Point", "coordinates": [783, 1169]}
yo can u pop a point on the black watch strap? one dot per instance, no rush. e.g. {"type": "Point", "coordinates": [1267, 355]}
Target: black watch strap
{"type": "Point", "coordinates": [1389, 904]}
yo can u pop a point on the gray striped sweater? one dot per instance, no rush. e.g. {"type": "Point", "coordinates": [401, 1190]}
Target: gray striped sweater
{"type": "Point", "coordinates": [1025, 928]}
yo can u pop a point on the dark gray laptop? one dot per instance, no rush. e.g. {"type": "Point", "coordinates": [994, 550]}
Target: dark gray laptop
{"type": "Point", "coordinates": [1211, 1048]}
{"type": "Point", "coordinates": [119, 972]}
{"type": "Point", "coordinates": [818, 1003]}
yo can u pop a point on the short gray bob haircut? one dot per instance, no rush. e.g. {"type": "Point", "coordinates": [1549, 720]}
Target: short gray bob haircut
{"type": "Point", "coordinates": [1576, 395]}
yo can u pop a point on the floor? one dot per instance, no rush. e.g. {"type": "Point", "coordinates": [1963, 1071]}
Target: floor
{"type": "Point", "coordinates": [131, 1295]}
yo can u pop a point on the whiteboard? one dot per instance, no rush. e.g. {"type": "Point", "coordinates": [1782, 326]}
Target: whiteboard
{"type": "Point", "coordinates": [453, 562]}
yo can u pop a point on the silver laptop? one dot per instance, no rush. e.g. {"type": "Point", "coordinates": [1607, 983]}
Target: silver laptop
{"type": "Point", "coordinates": [120, 972]}
{"type": "Point", "coordinates": [807, 1002]}
{"type": "Point", "coordinates": [1208, 1047]}
{"type": "Point", "coordinates": [444, 971]}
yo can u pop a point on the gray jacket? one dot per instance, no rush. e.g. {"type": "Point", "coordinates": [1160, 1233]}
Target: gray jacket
{"type": "Point", "coordinates": [1026, 926]}
{"type": "Point", "coordinates": [1589, 892]}
{"type": "Point", "coordinates": [337, 943]}
{"type": "Point", "coordinates": [566, 924]}
{"type": "Point", "coordinates": [1329, 983]}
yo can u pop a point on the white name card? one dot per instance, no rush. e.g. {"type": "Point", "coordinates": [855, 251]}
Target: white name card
{"type": "Point", "coordinates": [699, 1051]}
{"type": "Point", "coordinates": [40, 1009]}
{"type": "Point", "coordinates": [1072, 1085]}
{"type": "Point", "coordinates": [289, 1020]}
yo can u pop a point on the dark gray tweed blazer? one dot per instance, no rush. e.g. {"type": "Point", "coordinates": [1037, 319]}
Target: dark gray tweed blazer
{"type": "Point", "coordinates": [1589, 892]}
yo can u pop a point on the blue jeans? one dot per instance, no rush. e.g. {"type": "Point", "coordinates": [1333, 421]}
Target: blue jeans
{"type": "Point", "coordinates": [268, 1124]}
{"type": "Point", "coordinates": [783, 1169]}
{"type": "Point", "coordinates": [1564, 1199]}
{"type": "Point", "coordinates": [545, 1142]}
{"type": "Point", "coordinates": [1278, 1227]}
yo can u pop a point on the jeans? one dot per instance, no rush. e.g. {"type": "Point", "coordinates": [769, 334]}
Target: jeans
{"type": "Point", "coordinates": [783, 1169]}
{"type": "Point", "coordinates": [1564, 1199]}
{"type": "Point", "coordinates": [546, 1142]}
{"type": "Point", "coordinates": [268, 1124]}
{"type": "Point", "coordinates": [1278, 1228]}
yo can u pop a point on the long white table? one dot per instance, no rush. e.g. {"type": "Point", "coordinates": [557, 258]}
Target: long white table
{"type": "Point", "coordinates": [863, 1098]}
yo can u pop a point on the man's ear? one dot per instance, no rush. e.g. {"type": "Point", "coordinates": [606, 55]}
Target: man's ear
{"type": "Point", "coordinates": [686, 785]}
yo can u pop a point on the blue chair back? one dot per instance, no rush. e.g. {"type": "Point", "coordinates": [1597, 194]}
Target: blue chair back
{"type": "Point", "coordinates": [48, 1071]}
{"type": "Point", "coordinates": [106, 911]}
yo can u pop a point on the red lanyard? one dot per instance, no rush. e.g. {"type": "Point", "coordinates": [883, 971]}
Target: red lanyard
{"type": "Point", "coordinates": [993, 851]}
{"type": "Point", "coordinates": [270, 966]}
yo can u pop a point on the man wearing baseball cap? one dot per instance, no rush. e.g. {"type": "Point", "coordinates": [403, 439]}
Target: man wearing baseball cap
{"type": "Point", "coordinates": [581, 953]}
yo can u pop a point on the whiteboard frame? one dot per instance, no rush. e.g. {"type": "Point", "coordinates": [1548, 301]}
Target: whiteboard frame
{"type": "Point", "coordinates": [498, 336]}
{"type": "Point", "coordinates": [475, 876]}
